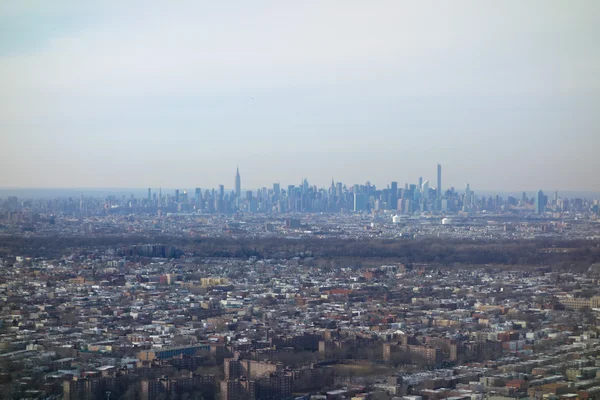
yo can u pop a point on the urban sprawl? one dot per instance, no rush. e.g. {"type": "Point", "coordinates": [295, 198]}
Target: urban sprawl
{"type": "Point", "coordinates": [346, 292]}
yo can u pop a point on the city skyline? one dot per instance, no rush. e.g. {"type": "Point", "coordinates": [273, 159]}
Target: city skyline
{"type": "Point", "coordinates": [407, 198]}
{"type": "Point", "coordinates": [238, 188]}
{"type": "Point", "coordinates": [504, 94]}
{"type": "Point", "coordinates": [383, 200]}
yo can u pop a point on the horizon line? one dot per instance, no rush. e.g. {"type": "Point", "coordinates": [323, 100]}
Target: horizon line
{"type": "Point", "coordinates": [232, 188]}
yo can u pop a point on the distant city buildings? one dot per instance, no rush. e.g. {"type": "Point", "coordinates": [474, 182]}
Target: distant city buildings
{"type": "Point", "coordinates": [411, 199]}
{"type": "Point", "coordinates": [238, 184]}
{"type": "Point", "coordinates": [439, 181]}
{"type": "Point", "coordinates": [540, 202]}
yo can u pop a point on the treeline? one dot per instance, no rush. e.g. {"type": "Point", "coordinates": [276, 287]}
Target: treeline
{"type": "Point", "coordinates": [566, 253]}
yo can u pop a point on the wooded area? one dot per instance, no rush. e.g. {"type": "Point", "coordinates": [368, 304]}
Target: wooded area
{"type": "Point", "coordinates": [576, 255]}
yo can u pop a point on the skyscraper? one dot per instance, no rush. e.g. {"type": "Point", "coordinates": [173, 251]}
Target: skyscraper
{"type": "Point", "coordinates": [425, 190]}
{"type": "Point", "coordinates": [238, 184]}
{"type": "Point", "coordinates": [220, 200]}
{"type": "Point", "coordinates": [468, 196]}
{"type": "Point", "coordinates": [393, 201]}
{"type": "Point", "coordinates": [149, 195]}
{"type": "Point", "coordinates": [439, 181]}
{"type": "Point", "coordinates": [540, 202]}
{"type": "Point", "coordinates": [360, 201]}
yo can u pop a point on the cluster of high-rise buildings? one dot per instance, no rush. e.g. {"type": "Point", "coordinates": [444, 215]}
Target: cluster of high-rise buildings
{"type": "Point", "coordinates": [338, 197]}
{"type": "Point", "coordinates": [412, 198]}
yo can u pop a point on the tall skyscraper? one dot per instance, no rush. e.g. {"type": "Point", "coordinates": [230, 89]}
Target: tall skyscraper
{"type": "Point", "coordinates": [425, 190]}
{"type": "Point", "coordinates": [149, 195]}
{"type": "Point", "coordinates": [220, 200]}
{"type": "Point", "coordinates": [176, 195]}
{"type": "Point", "coordinates": [540, 202]}
{"type": "Point", "coordinates": [360, 202]}
{"type": "Point", "coordinates": [439, 181]}
{"type": "Point", "coordinates": [238, 184]}
{"type": "Point", "coordinates": [305, 185]}
{"type": "Point", "coordinates": [393, 201]}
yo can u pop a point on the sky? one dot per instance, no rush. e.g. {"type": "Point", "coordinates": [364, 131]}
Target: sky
{"type": "Point", "coordinates": [504, 94]}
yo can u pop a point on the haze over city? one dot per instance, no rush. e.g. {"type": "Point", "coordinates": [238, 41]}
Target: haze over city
{"type": "Point", "coordinates": [300, 200]}
{"type": "Point", "coordinates": [503, 94]}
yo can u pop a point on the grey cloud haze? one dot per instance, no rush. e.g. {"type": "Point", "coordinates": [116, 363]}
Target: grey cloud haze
{"type": "Point", "coordinates": [96, 94]}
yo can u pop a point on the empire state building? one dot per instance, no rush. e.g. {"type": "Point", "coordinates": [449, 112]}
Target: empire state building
{"type": "Point", "coordinates": [238, 183]}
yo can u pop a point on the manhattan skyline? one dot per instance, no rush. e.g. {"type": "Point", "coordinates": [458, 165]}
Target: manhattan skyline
{"type": "Point", "coordinates": [284, 200]}
{"type": "Point", "coordinates": [503, 94]}
{"type": "Point", "coordinates": [239, 188]}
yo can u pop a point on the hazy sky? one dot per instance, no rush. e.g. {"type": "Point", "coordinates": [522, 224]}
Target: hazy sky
{"type": "Point", "coordinates": [504, 94]}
